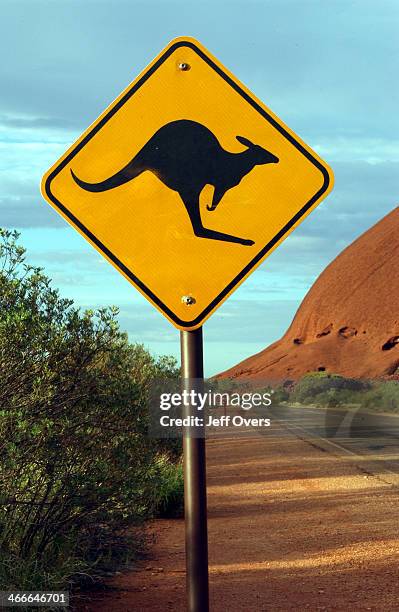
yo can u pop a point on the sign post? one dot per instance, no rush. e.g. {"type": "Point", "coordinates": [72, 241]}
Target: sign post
{"type": "Point", "coordinates": [195, 512]}
{"type": "Point", "coordinates": [185, 184]}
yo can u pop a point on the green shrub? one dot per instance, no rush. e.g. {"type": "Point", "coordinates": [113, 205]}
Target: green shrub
{"type": "Point", "coordinates": [337, 397]}
{"type": "Point", "coordinates": [76, 465]}
{"type": "Point", "coordinates": [383, 396]}
{"type": "Point", "coordinates": [281, 394]}
{"type": "Point", "coordinates": [319, 387]}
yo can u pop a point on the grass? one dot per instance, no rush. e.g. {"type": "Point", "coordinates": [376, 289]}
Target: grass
{"type": "Point", "coordinates": [170, 492]}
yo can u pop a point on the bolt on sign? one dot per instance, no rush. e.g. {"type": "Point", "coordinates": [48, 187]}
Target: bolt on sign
{"type": "Point", "coordinates": [186, 183]}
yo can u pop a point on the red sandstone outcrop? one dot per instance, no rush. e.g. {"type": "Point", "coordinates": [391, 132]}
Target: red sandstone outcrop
{"type": "Point", "coordinates": [348, 323]}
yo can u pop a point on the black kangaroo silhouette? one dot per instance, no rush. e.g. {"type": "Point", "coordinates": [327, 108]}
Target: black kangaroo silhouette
{"type": "Point", "coordinates": [186, 156]}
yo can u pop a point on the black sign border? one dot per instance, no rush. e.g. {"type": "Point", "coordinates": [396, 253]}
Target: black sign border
{"type": "Point", "coordinates": [197, 321]}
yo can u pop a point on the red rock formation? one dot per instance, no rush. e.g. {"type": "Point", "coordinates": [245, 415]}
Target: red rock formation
{"type": "Point", "coordinates": [348, 323]}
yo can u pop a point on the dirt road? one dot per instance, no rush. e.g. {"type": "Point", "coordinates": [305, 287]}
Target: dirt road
{"type": "Point", "coordinates": [291, 527]}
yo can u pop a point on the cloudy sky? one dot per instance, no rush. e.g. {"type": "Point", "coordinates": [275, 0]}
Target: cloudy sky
{"type": "Point", "coordinates": [328, 69]}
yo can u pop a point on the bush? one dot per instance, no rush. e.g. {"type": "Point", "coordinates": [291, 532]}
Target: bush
{"type": "Point", "coordinates": [321, 387]}
{"type": "Point", "coordinates": [281, 394]}
{"type": "Point", "coordinates": [383, 396]}
{"type": "Point", "coordinates": [77, 467]}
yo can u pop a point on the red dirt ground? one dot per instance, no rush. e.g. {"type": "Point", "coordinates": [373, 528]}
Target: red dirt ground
{"type": "Point", "coordinates": [290, 528]}
{"type": "Point", "coordinates": [348, 323]}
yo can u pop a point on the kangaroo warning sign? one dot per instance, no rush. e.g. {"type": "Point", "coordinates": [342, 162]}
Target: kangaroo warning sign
{"type": "Point", "coordinates": [186, 183]}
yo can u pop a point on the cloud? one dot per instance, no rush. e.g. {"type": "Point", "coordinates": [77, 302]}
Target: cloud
{"type": "Point", "coordinates": [22, 166]}
{"type": "Point", "coordinates": [27, 211]}
{"type": "Point", "coordinates": [325, 67]}
{"type": "Point", "coordinates": [329, 70]}
{"type": "Point", "coordinates": [21, 203]}
{"type": "Point", "coordinates": [351, 149]}
{"type": "Point", "coordinates": [36, 123]}
{"type": "Point", "coordinates": [239, 328]}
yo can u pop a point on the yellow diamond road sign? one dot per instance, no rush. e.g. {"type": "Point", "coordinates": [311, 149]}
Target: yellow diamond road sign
{"type": "Point", "coordinates": [186, 183]}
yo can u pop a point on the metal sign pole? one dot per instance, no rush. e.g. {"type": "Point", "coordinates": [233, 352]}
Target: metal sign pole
{"type": "Point", "coordinates": [195, 485]}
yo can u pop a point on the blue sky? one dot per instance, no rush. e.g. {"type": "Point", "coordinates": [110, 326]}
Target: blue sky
{"type": "Point", "coordinates": [328, 69]}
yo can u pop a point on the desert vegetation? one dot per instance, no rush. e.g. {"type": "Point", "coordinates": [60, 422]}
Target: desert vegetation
{"type": "Point", "coordinates": [78, 473]}
{"type": "Point", "coordinates": [329, 390]}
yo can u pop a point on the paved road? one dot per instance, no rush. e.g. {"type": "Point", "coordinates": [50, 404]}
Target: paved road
{"type": "Point", "coordinates": [357, 432]}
